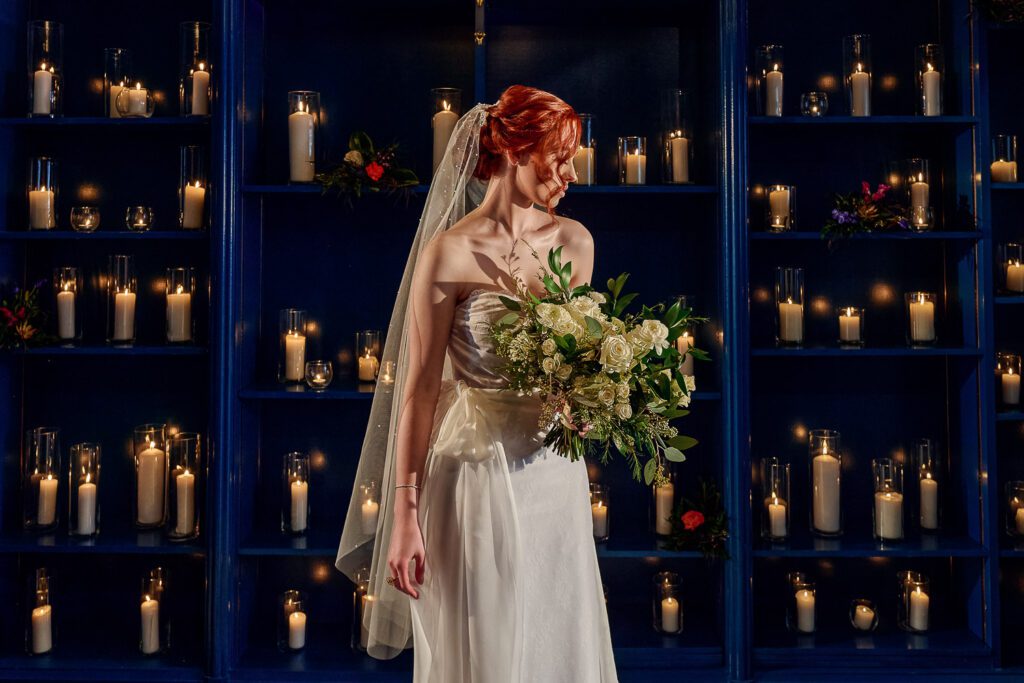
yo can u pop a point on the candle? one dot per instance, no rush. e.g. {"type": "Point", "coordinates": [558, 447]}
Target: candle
{"type": "Point", "coordinates": [367, 367]}
{"type": "Point", "coordinates": [185, 487]}
{"type": "Point", "coordinates": [583, 164]}
{"type": "Point", "coordinates": [636, 169]}
{"type": "Point", "coordinates": [680, 160]}
{"type": "Point", "coordinates": [87, 508]}
{"type": "Point", "coordinates": [683, 343]}
{"type": "Point", "coordinates": [364, 631]}
{"type": "Point", "coordinates": [294, 356]}
{"type": "Point", "coordinates": [1004, 171]}
{"type": "Point", "coordinates": [670, 614]}
{"type": "Point", "coordinates": [599, 513]}
{"type": "Point", "coordinates": [849, 326]}
{"type": "Point", "coordinates": [778, 208]}
{"type": "Point", "coordinates": [791, 321]}
{"type": "Point", "coordinates": [1011, 387]}
{"type": "Point", "coordinates": [200, 91]}
{"type": "Point", "coordinates": [150, 485]}
{"type": "Point", "coordinates": [825, 469]}
{"type": "Point", "coordinates": [41, 212]}
{"type": "Point", "coordinates": [773, 92]}
{"type": "Point", "coordinates": [137, 100]}
{"type": "Point", "coordinates": [66, 314]}
{"type": "Point", "coordinates": [443, 124]}
{"type": "Point", "coordinates": [149, 611]}
{"type": "Point", "coordinates": [929, 489]}
{"type": "Point", "coordinates": [922, 320]}
{"type": "Point", "coordinates": [297, 630]}
{"type": "Point", "coordinates": [46, 512]}
{"type": "Point", "coordinates": [863, 617]}
{"type": "Point", "coordinates": [932, 82]}
{"type": "Point", "coordinates": [805, 611]}
{"type": "Point", "coordinates": [777, 517]}
{"type": "Point", "coordinates": [124, 316]}
{"type": "Point", "coordinates": [371, 508]}
{"type": "Point", "coordinates": [888, 515]}
{"type": "Point", "coordinates": [301, 145]}
{"type": "Point", "coordinates": [860, 89]}
{"type": "Point", "coordinates": [179, 316]}
{"type": "Point", "coordinates": [1019, 520]}
{"type": "Point", "coordinates": [194, 202]}
{"type": "Point", "coordinates": [299, 506]}
{"type": "Point", "coordinates": [42, 632]}
{"type": "Point", "coordinates": [919, 610]}
{"type": "Point", "coordinates": [663, 499]}
{"type": "Point", "coordinates": [115, 90]}
{"type": "Point", "coordinates": [1015, 276]}
{"type": "Point", "coordinates": [42, 90]}
{"type": "Point", "coordinates": [919, 195]}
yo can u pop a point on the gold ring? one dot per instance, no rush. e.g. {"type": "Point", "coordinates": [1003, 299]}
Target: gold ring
{"type": "Point", "coordinates": [390, 580]}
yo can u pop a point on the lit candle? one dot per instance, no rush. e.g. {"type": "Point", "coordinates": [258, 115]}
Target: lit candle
{"type": "Point", "coordinates": [66, 313]}
{"type": "Point", "coordinates": [124, 316]}
{"type": "Point", "coordinates": [849, 326]}
{"type": "Point", "coordinates": [791, 321]}
{"type": "Point", "coordinates": [1015, 276]}
{"type": "Point", "coordinates": [888, 515]}
{"type": "Point", "coordinates": [1004, 171]}
{"type": "Point", "coordinates": [932, 80]}
{"type": "Point", "coordinates": [42, 90]}
{"type": "Point", "coordinates": [919, 610]}
{"type": "Point", "coordinates": [194, 202]}
{"type": "Point", "coordinates": [599, 513]}
{"type": "Point", "coordinates": [825, 469]}
{"type": "Point", "coordinates": [805, 611]}
{"type": "Point", "coordinates": [443, 124]}
{"type": "Point", "coordinates": [294, 356]}
{"type": "Point", "coordinates": [301, 145]}
{"type": "Point", "coordinates": [919, 195]}
{"type": "Point", "coordinates": [680, 160]}
{"type": "Point", "coordinates": [663, 499]}
{"type": "Point", "coordinates": [42, 631]}
{"type": "Point", "coordinates": [583, 164]}
{"type": "Point", "coordinates": [1019, 520]}
{"type": "Point", "coordinates": [299, 506]}
{"type": "Point", "coordinates": [929, 489]}
{"type": "Point", "coordinates": [364, 631]}
{"type": "Point", "coordinates": [670, 614]}
{"type": "Point", "coordinates": [863, 617]}
{"type": "Point", "coordinates": [922, 320]}
{"type": "Point", "coordinates": [777, 517]}
{"type": "Point", "coordinates": [137, 100]}
{"type": "Point", "coordinates": [149, 611]}
{"type": "Point", "coordinates": [860, 88]}
{"type": "Point", "coordinates": [297, 630]}
{"type": "Point", "coordinates": [42, 214]}
{"type": "Point", "coordinates": [179, 315]}
{"type": "Point", "coordinates": [683, 344]}
{"type": "Point", "coordinates": [115, 90]}
{"type": "Point", "coordinates": [773, 92]}
{"type": "Point", "coordinates": [87, 507]}
{"type": "Point", "coordinates": [201, 91]}
{"type": "Point", "coordinates": [778, 208]}
{"type": "Point", "coordinates": [636, 169]}
{"type": "Point", "coordinates": [1011, 387]}
{"type": "Point", "coordinates": [367, 367]}
{"type": "Point", "coordinates": [46, 512]}
{"type": "Point", "coordinates": [150, 485]}
{"type": "Point", "coordinates": [185, 488]}
{"type": "Point", "coordinates": [370, 509]}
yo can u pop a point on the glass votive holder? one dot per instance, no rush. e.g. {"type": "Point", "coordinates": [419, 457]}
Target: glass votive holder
{"type": "Point", "coordinates": [67, 284]}
{"type": "Point", "coordinates": [780, 212]}
{"type": "Point", "coordinates": [1008, 369]}
{"type": "Point", "coordinates": [1004, 159]}
{"type": "Point", "coordinates": [863, 614]}
{"type": "Point", "coordinates": [769, 67]}
{"type": "Point", "coordinates": [1011, 270]}
{"type": "Point", "coordinates": [913, 604]}
{"type": "Point", "coordinates": [362, 610]}
{"type": "Point", "coordinates": [667, 603]}
{"type": "Point", "coordinates": [789, 306]}
{"type": "Point", "coordinates": [42, 193]}
{"type": "Point", "coordinates": [930, 71]}
{"type": "Point", "coordinates": [154, 622]}
{"type": "Point", "coordinates": [1015, 508]}
{"type": "Point", "coordinates": [916, 184]}
{"type": "Point", "coordinates": [368, 354]}
{"type": "Point", "coordinates": [857, 73]}
{"type": "Point", "coordinates": [83, 490]}
{"type": "Point", "coordinates": [45, 68]}
{"type": "Point", "coordinates": [926, 463]}
{"type": "Point", "coordinates": [887, 475]}
{"type": "Point", "coordinates": [775, 493]}
{"type": "Point", "coordinates": [150, 451]}
{"type": "Point", "coordinates": [303, 125]}
{"type": "Point", "coordinates": [184, 454]}
{"type": "Point", "coordinates": [117, 74]}
{"type": "Point", "coordinates": [387, 372]}
{"type": "Point", "coordinates": [663, 499]}
{"type": "Point", "coordinates": [41, 631]}
{"type": "Point", "coordinates": [447, 107]}
{"type": "Point", "coordinates": [922, 218]}
{"type": "Point", "coordinates": [295, 512]}
{"type": "Point", "coordinates": [41, 478]}
{"type": "Point", "coordinates": [920, 318]}
{"type": "Point", "coordinates": [122, 287]}
{"type": "Point", "coordinates": [599, 500]}
{"type": "Point", "coordinates": [134, 102]}
{"type": "Point", "coordinates": [194, 84]}
{"type": "Point", "coordinates": [319, 374]}
{"type": "Point", "coordinates": [138, 218]}
{"type": "Point", "coordinates": [291, 625]}
{"type": "Point", "coordinates": [632, 160]}
{"type": "Point", "coordinates": [180, 287]}
{"type": "Point", "coordinates": [292, 364]}
{"type": "Point", "coordinates": [851, 326]}
{"type": "Point", "coordinates": [800, 612]}
{"type": "Point", "coordinates": [676, 137]}
{"type": "Point", "coordinates": [369, 493]}
{"type": "Point", "coordinates": [192, 185]}
{"type": "Point", "coordinates": [583, 162]}
{"type": "Point", "coordinates": [85, 218]}
{"type": "Point", "coordinates": [826, 469]}
{"type": "Point", "coordinates": [814, 104]}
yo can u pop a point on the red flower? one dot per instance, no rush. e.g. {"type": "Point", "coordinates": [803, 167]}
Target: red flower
{"type": "Point", "coordinates": [374, 170]}
{"type": "Point", "coordinates": [692, 520]}
{"type": "Point", "coordinates": [21, 313]}
{"type": "Point", "coordinates": [865, 188]}
{"type": "Point", "coordinates": [8, 316]}
{"type": "Point", "coordinates": [880, 193]}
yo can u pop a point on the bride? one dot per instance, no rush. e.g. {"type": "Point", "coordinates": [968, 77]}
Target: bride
{"type": "Point", "coordinates": [483, 559]}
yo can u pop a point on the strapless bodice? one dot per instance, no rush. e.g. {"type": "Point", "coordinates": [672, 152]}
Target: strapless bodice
{"type": "Point", "coordinates": [470, 347]}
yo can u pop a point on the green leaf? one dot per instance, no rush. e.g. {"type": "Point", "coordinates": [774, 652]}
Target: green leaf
{"type": "Point", "coordinates": [699, 354]}
{"type": "Point", "coordinates": [682, 442]}
{"type": "Point", "coordinates": [650, 469]}
{"type": "Point", "coordinates": [509, 319]}
{"type": "Point", "coordinates": [674, 454]}
{"type": "Point", "coordinates": [593, 327]}
{"type": "Point", "coordinates": [555, 260]}
{"type": "Point", "coordinates": [404, 177]}
{"type": "Point", "coordinates": [510, 303]}
{"type": "Point", "coordinates": [361, 142]}
{"type": "Point", "coordinates": [674, 413]}
{"type": "Point", "coordinates": [551, 285]}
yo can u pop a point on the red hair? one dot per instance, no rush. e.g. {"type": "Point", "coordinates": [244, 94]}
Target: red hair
{"type": "Point", "coordinates": [526, 120]}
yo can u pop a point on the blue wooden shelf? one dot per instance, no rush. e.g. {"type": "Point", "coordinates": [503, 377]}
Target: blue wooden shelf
{"type": "Point", "coordinates": [863, 352]}
{"type": "Point", "coordinates": [900, 236]}
{"type": "Point", "coordinates": [832, 121]}
{"type": "Point", "coordinates": [853, 547]}
{"type": "Point", "coordinates": [86, 666]}
{"type": "Point", "coordinates": [348, 390]}
{"type": "Point", "coordinates": [162, 123]}
{"type": "Point", "coordinates": [1007, 187]}
{"type": "Point", "coordinates": [111, 351]}
{"type": "Point", "coordinates": [313, 189]}
{"type": "Point", "coordinates": [839, 646]}
{"type": "Point", "coordinates": [1010, 416]}
{"type": "Point", "coordinates": [105, 543]}
{"type": "Point", "coordinates": [307, 189]}
{"type": "Point", "coordinates": [101, 235]}
{"type": "Point", "coordinates": [1007, 299]}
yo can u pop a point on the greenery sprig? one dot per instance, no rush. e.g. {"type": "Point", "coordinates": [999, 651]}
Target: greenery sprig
{"type": "Point", "coordinates": [367, 169]}
{"type": "Point", "coordinates": [701, 523]}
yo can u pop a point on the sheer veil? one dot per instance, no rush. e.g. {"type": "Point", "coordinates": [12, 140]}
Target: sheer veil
{"type": "Point", "coordinates": [388, 623]}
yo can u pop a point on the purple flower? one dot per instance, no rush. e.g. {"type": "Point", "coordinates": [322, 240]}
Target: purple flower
{"type": "Point", "coordinates": [903, 223]}
{"type": "Point", "coordinates": [843, 217]}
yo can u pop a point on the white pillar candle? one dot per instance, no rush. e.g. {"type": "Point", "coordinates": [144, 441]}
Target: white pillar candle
{"type": "Point", "coordinates": [778, 208]}
{"type": "Point", "coordinates": [1019, 520]}
{"type": "Point", "coordinates": [66, 314]}
{"type": "Point", "coordinates": [115, 90]}
{"type": "Point", "coordinates": [294, 357]}
{"type": "Point", "coordinates": [42, 214]}
{"type": "Point", "coordinates": [932, 82]}
{"type": "Point", "coordinates": [599, 513]}
{"type": "Point", "coordinates": [680, 160]}
{"type": "Point", "coordinates": [364, 631]}
{"type": "Point", "coordinates": [149, 611]}
{"type": "Point", "coordinates": [443, 124]}
{"type": "Point", "coordinates": [849, 327]}
{"type": "Point", "coordinates": [670, 614]}
{"type": "Point", "coordinates": [805, 611]}
{"type": "Point", "coordinates": [42, 629]}
{"type": "Point", "coordinates": [863, 617]}
{"type": "Point", "coordinates": [919, 195]}
{"type": "Point", "coordinates": [777, 517]}
{"type": "Point", "coordinates": [370, 511]}
{"type": "Point", "coordinates": [1004, 171]}
{"type": "Point", "coordinates": [929, 489]}
{"type": "Point", "coordinates": [683, 344]}
{"type": "Point", "coordinates": [860, 88]}
{"type": "Point", "coordinates": [200, 91]}
{"type": "Point", "coordinates": [1015, 276]}
{"type": "Point", "coordinates": [42, 90]}
{"type": "Point", "coordinates": [583, 164]}
{"type": "Point", "coordinates": [194, 203]}
{"type": "Point", "coordinates": [888, 515]}
{"type": "Point", "coordinates": [137, 100]}
{"type": "Point", "coordinates": [299, 505]}
{"type": "Point", "coordinates": [773, 92]}
{"type": "Point", "coordinates": [367, 368]}
{"type": "Point", "coordinates": [297, 630]}
{"type": "Point", "coordinates": [185, 497]}
{"type": "Point", "coordinates": [922, 320]}
{"type": "Point", "coordinates": [46, 512]}
{"type": "Point", "coordinates": [124, 316]}
{"type": "Point", "coordinates": [663, 499]}
{"type": "Point", "coordinates": [150, 485]}
{"type": "Point", "coordinates": [301, 145]}
{"type": "Point", "coordinates": [179, 316]}
{"type": "Point", "coordinates": [87, 508]}
{"type": "Point", "coordinates": [919, 610]}
{"type": "Point", "coordinates": [636, 169]}
{"type": "Point", "coordinates": [825, 470]}
{"type": "Point", "coordinates": [791, 322]}
{"type": "Point", "coordinates": [1011, 388]}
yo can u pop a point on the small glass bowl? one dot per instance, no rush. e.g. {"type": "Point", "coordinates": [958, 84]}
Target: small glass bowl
{"type": "Point", "coordinates": [319, 374]}
{"type": "Point", "coordinates": [85, 218]}
{"type": "Point", "coordinates": [814, 104]}
{"type": "Point", "coordinates": [135, 102]}
{"type": "Point", "coordinates": [863, 615]}
{"type": "Point", "coordinates": [138, 218]}
{"type": "Point", "coordinates": [922, 218]}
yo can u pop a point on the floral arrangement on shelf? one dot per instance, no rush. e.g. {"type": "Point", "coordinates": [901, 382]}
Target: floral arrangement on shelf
{"type": "Point", "coordinates": [863, 212]}
{"type": "Point", "coordinates": [1005, 11]}
{"type": "Point", "coordinates": [367, 169]}
{"type": "Point", "coordinates": [22, 320]}
{"type": "Point", "coordinates": [607, 377]}
{"type": "Point", "coordinates": [700, 524]}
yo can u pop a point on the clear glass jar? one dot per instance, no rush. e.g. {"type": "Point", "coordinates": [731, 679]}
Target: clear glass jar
{"type": "Point", "coordinates": [319, 374]}
{"type": "Point", "coordinates": [362, 610]}
{"type": "Point", "coordinates": [663, 500]}
{"type": "Point", "coordinates": [768, 69]}
{"type": "Point", "coordinates": [41, 479]}
{"type": "Point", "coordinates": [180, 288]}
{"type": "Point", "coordinates": [42, 193]}
{"type": "Point", "coordinates": [184, 454]}
{"type": "Point", "coordinates": [1004, 159]}
{"type": "Point", "coordinates": [295, 512]}
{"type": "Point", "coordinates": [122, 288]}
{"type": "Point", "coordinates": [303, 126]}
{"type": "Point", "coordinates": [789, 306]}
{"type": "Point", "coordinates": [814, 104]}
{"type": "Point", "coordinates": [150, 451]}
{"type": "Point", "coordinates": [1015, 508]}
{"type": "Point", "coordinates": [585, 161]}
{"type": "Point", "coordinates": [780, 212]}
{"type": "Point", "coordinates": [857, 73]}
{"type": "Point", "coordinates": [67, 285]}
{"type": "Point", "coordinates": [292, 366]}
{"type": "Point", "coordinates": [917, 184]}
{"type": "Point", "coordinates": [775, 493]}
{"type": "Point", "coordinates": [1011, 268]}
{"type": "Point", "coordinates": [45, 68]}
{"type": "Point", "coordinates": [599, 512]}
{"type": "Point", "coordinates": [863, 614]}
{"type": "Point", "coordinates": [41, 627]}
{"type": "Point", "coordinates": [139, 218]}
{"type": "Point", "coordinates": [927, 465]}
{"type": "Point", "coordinates": [117, 75]}
{"type": "Point", "coordinates": [135, 102]}
{"type": "Point", "coordinates": [887, 476]}
{"type": "Point", "coordinates": [194, 89]}
{"type": "Point", "coordinates": [85, 218]}
{"type": "Point", "coordinates": [192, 188]}
{"type": "Point", "coordinates": [632, 160]}
{"type": "Point", "coordinates": [914, 601]}
{"type": "Point", "coordinates": [83, 490]}
{"type": "Point", "coordinates": [1008, 368]}
{"type": "Point", "coordinates": [826, 470]}
{"type": "Point", "coordinates": [667, 602]}
{"type": "Point", "coordinates": [447, 108]}
{"type": "Point", "coordinates": [801, 612]}
{"type": "Point", "coordinates": [368, 349]}
{"type": "Point", "coordinates": [677, 137]}
{"type": "Point", "coordinates": [154, 613]}
{"type": "Point", "coordinates": [851, 326]}
{"type": "Point", "coordinates": [930, 73]}
{"type": "Point", "coordinates": [921, 318]}
{"type": "Point", "coordinates": [291, 625]}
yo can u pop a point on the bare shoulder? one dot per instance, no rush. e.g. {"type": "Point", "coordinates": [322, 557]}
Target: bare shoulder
{"type": "Point", "coordinates": [575, 235]}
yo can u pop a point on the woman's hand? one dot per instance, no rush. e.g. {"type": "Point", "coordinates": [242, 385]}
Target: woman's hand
{"type": "Point", "coordinates": [406, 545]}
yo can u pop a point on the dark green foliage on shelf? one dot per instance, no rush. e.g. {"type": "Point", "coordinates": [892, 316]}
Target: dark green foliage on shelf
{"type": "Point", "coordinates": [701, 523]}
{"type": "Point", "coordinates": [863, 212]}
{"type": "Point", "coordinates": [367, 169]}
{"type": "Point", "coordinates": [22, 319]}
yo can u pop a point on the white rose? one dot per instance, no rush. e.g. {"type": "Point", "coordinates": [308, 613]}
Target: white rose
{"type": "Point", "coordinates": [549, 365]}
{"type": "Point", "coordinates": [616, 354]}
{"type": "Point", "coordinates": [684, 401]}
{"type": "Point", "coordinates": [584, 305]}
{"type": "Point", "coordinates": [354, 157]}
{"type": "Point", "coordinates": [564, 324]}
{"type": "Point", "coordinates": [624, 410]}
{"type": "Point", "coordinates": [548, 347]}
{"type": "Point", "coordinates": [563, 372]}
{"type": "Point", "coordinates": [641, 341]}
{"type": "Point", "coordinates": [547, 314]}
{"type": "Point", "coordinates": [597, 296]}
{"type": "Point", "coordinates": [606, 395]}
{"type": "Point", "coordinates": [622, 390]}
{"type": "Point", "coordinates": [658, 333]}
{"type": "Point", "coordinates": [691, 383]}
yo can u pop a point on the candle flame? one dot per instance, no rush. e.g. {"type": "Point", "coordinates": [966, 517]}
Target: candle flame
{"type": "Point", "coordinates": [447, 107]}
{"type": "Point", "coordinates": [920, 298]}
{"type": "Point", "coordinates": [197, 184]}
{"type": "Point", "coordinates": [42, 66]}
{"type": "Point", "coordinates": [138, 86]}
{"type": "Point", "coordinates": [775, 67]}
{"type": "Point", "coordinates": [860, 67]}
{"type": "Point", "coordinates": [181, 289]}
{"type": "Point", "coordinates": [849, 311]}
{"type": "Point", "coordinates": [152, 444]}
{"type": "Point", "coordinates": [67, 286]}
{"type": "Point", "coordinates": [930, 67]}
{"type": "Point", "coordinates": [302, 106]}
{"type": "Point", "coordinates": [789, 300]}
{"type": "Point", "coordinates": [202, 66]}
{"type": "Point", "coordinates": [88, 477]}
{"type": "Point", "coordinates": [775, 499]}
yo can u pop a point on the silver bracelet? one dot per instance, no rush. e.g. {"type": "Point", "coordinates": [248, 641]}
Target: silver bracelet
{"type": "Point", "coordinates": [415, 486]}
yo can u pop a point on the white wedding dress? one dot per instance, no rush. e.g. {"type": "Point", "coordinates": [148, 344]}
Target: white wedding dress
{"type": "Point", "coordinates": [512, 588]}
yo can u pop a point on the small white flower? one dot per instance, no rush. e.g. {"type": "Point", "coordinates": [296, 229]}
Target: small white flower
{"type": "Point", "coordinates": [564, 324]}
{"type": "Point", "coordinates": [624, 410]}
{"type": "Point", "coordinates": [658, 334]}
{"type": "Point", "coordinates": [691, 383]}
{"type": "Point", "coordinates": [563, 372]}
{"type": "Point", "coordinates": [548, 347]}
{"type": "Point", "coordinates": [354, 157]}
{"type": "Point", "coordinates": [547, 314]}
{"type": "Point", "coordinates": [684, 401]}
{"type": "Point", "coordinates": [597, 296]}
{"type": "Point", "coordinates": [616, 354]}
{"type": "Point", "coordinates": [584, 305]}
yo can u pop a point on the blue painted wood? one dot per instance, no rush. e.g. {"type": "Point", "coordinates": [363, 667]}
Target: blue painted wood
{"type": "Point", "coordinates": [101, 235]}
{"type": "Point", "coordinates": [839, 121]}
{"type": "Point", "coordinates": [158, 123]}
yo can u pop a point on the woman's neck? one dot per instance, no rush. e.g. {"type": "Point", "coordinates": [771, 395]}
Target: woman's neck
{"type": "Point", "coordinates": [506, 205]}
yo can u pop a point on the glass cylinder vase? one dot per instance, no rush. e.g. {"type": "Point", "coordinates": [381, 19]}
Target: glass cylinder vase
{"type": "Point", "coordinates": [789, 306]}
{"type": "Point", "coordinates": [41, 479]}
{"type": "Point", "coordinates": [291, 623]}
{"type": "Point", "coordinates": [917, 186]}
{"type": "Point", "coordinates": [362, 609]}
{"type": "Point", "coordinates": [780, 212]}
{"type": "Point", "coordinates": [887, 476]}
{"type": "Point", "coordinates": [180, 288]}
{"type": "Point", "coordinates": [584, 162]}
{"type": "Point", "coordinates": [45, 68]}
{"type": "Point", "coordinates": [368, 354]}
{"type": "Point", "coordinates": [184, 455]}
{"type": "Point", "coordinates": [295, 511]}
{"type": "Point", "coordinates": [192, 188]}
{"type": "Point", "coordinates": [632, 160]}
{"type": "Point", "coordinates": [303, 126]}
{"type": "Point", "coordinates": [154, 613]}
{"type": "Point", "coordinates": [600, 498]}
{"type": "Point", "coordinates": [117, 75]}
{"type": "Point", "coordinates": [927, 466]}
{"type": "Point", "coordinates": [913, 605]}
{"type": "Point", "coordinates": [41, 631]}
{"type": "Point", "coordinates": [775, 494]}
{"type": "Point", "coordinates": [851, 326]}
{"type": "Point", "coordinates": [921, 318]}
{"type": "Point", "coordinates": [67, 288]}
{"type": "Point", "coordinates": [667, 602]}
{"type": "Point", "coordinates": [121, 297]}
{"type": "Point", "coordinates": [194, 91]}
{"type": "Point", "coordinates": [826, 468]}
{"type": "Point", "coordinates": [447, 108]}
{"type": "Point", "coordinates": [663, 500]}
{"type": "Point", "coordinates": [685, 340]}
{"type": "Point", "coordinates": [1015, 508]}
{"type": "Point", "coordinates": [135, 102]}
{"type": "Point", "coordinates": [930, 74]}
{"type": "Point", "coordinates": [677, 137]}
{"type": "Point", "coordinates": [863, 614]}
{"type": "Point", "coordinates": [292, 364]}
{"type": "Point", "coordinates": [857, 73]}
{"type": "Point", "coordinates": [769, 69]}
{"type": "Point", "coordinates": [801, 612]}
{"type": "Point", "coordinates": [1011, 268]}
{"type": "Point", "coordinates": [150, 452]}
{"type": "Point", "coordinates": [1004, 159]}
{"type": "Point", "coordinates": [83, 489]}
{"type": "Point", "coordinates": [369, 494]}
{"type": "Point", "coordinates": [1008, 368]}
{"type": "Point", "coordinates": [42, 193]}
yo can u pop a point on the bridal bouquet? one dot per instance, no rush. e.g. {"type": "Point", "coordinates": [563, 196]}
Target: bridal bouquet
{"type": "Point", "coordinates": [607, 377]}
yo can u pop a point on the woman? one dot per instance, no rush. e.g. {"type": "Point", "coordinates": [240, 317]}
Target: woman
{"type": "Point", "coordinates": [504, 583]}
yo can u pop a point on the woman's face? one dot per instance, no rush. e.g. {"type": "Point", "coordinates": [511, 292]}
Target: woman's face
{"type": "Point", "coordinates": [530, 179]}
